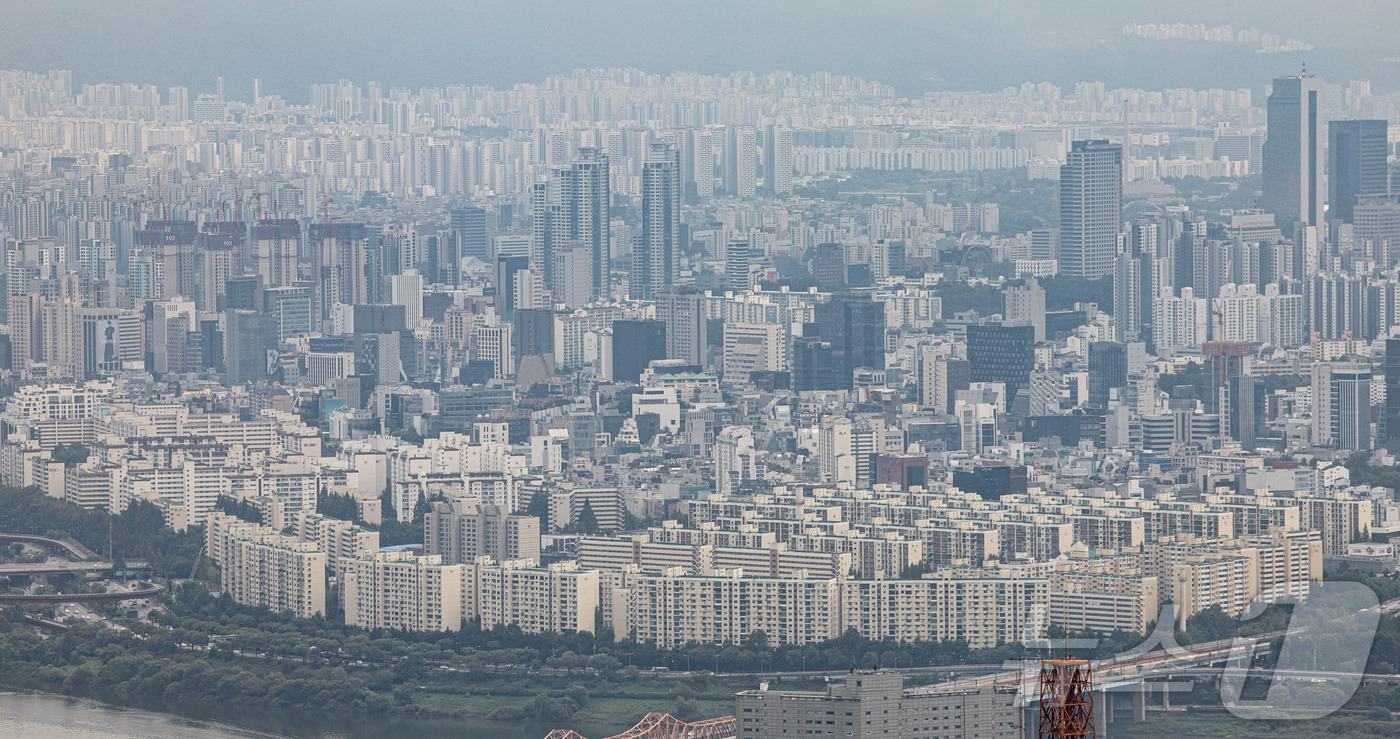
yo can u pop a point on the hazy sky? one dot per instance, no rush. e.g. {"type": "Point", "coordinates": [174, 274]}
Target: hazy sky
{"type": "Point", "coordinates": [957, 44]}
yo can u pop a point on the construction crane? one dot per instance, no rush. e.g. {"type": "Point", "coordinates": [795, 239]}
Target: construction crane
{"type": "Point", "coordinates": [258, 209]}
{"type": "Point", "coordinates": [233, 176]}
{"type": "Point", "coordinates": [325, 195]}
{"type": "Point", "coordinates": [195, 567]}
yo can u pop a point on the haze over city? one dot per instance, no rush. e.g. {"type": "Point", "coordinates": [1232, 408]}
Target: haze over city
{"type": "Point", "coordinates": [711, 369]}
{"type": "Point", "coordinates": [960, 45]}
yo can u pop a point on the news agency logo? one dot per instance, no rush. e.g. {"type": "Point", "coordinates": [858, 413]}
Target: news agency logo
{"type": "Point", "coordinates": [1320, 662]}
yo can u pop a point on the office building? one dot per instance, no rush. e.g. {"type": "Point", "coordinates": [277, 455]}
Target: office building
{"type": "Point", "coordinates": [635, 344]}
{"type": "Point", "coordinates": [1341, 412]}
{"type": "Point", "coordinates": [854, 326]}
{"type": "Point", "coordinates": [736, 266]}
{"type": "Point", "coordinates": [829, 266]}
{"type": "Point", "coordinates": [112, 340]}
{"type": "Point", "coordinates": [1293, 162]}
{"type": "Point", "coordinates": [250, 346]}
{"type": "Point", "coordinates": [1376, 232]}
{"type": "Point", "coordinates": [470, 225]}
{"type": "Point", "coordinates": [1091, 201]}
{"type": "Point", "coordinates": [1357, 165]}
{"type": "Point", "coordinates": [1231, 395]}
{"type": "Point", "coordinates": [1001, 352]}
{"type": "Point", "coordinates": [1108, 370]}
{"type": "Point", "coordinates": [533, 334]}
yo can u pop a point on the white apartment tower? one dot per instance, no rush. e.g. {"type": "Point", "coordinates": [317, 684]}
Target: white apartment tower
{"type": "Point", "coordinates": [740, 162]}
{"type": "Point", "coordinates": [656, 258]}
{"type": "Point", "coordinates": [777, 161]}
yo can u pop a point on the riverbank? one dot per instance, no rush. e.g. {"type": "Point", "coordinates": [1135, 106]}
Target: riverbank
{"type": "Point", "coordinates": [46, 714]}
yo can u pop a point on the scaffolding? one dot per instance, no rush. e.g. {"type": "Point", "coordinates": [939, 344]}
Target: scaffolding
{"type": "Point", "coordinates": [1066, 698]}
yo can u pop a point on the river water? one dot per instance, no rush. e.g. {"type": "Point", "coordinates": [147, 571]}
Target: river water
{"type": "Point", "coordinates": [43, 715]}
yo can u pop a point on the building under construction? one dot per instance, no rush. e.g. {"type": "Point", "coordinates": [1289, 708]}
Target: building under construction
{"type": "Point", "coordinates": [1231, 393]}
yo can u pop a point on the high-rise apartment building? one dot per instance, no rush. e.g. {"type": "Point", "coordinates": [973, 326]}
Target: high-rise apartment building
{"type": "Point", "coordinates": [276, 245]}
{"type": "Point", "coordinates": [341, 268]}
{"type": "Point", "coordinates": [699, 163]}
{"type": "Point", "coordinates": [573, 207]}
{"type": "Point", "coordinates": [1091, 201]}
{"type": "Point", "coordinates": [463, 529]}
{"type": "Point", "coordinates": [1026, 302]}
{"type": "Point", "coordinates": [777, 161]}
{"type": "Point", "coordinates": [1292, 176]}
{"type": "Point", "coordinates": [1392, 394]}
{"type": "Point", "coordinates": [740, 162]}
{"type": "Point", "coordinates": [686, 325]}
{"type": "Point", "coordinates": [656, 258]}
{"type": "Point", "coordinates": [220, 257]}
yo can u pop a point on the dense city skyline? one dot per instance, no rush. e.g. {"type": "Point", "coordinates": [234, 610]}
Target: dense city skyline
{"type": "Point", "coordinates": [554, 368]}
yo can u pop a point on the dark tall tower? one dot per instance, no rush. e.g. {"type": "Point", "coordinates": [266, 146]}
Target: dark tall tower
{"type": "Point", "coordinates": [999, 352]}
{"type": "Point", "coordinates": [854, 325]}
{"type": "Point", "coordinates": [1108, 369]}
{"type": "Point", "coordinates": [470, 225]}
{"type": "Point", "coordinates": [829, 266]}
{"type": "Point", "coordinates": [1392, 394]}
{"type": "Point", "coordinates": [1091, 203]}
{"type": "Point", "coordinates": [1292, 176]}
{"type": "Point", "coordinates": [506, 267]}
{"type": "Point", "coordinates": [1357, 165]}
{"type": "Point", "coordinates": [635, 345]}
{"type": "Point", "coordinates": [533, 334]}
{"type": "Point", "coordinates": [249, 346]}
